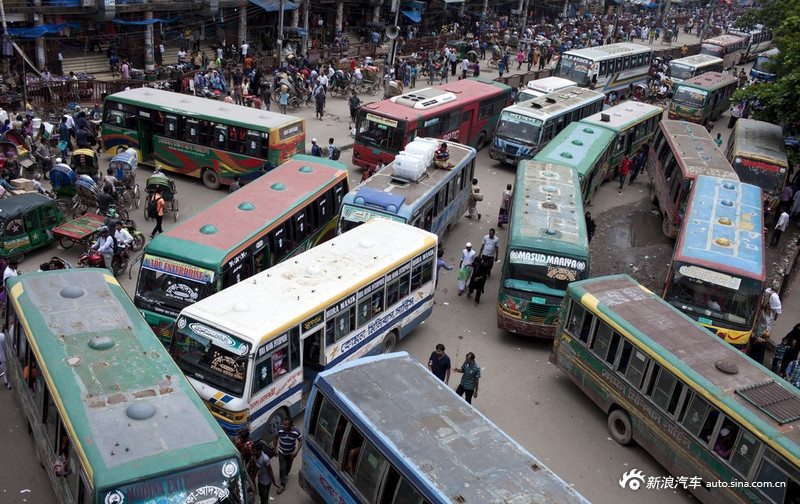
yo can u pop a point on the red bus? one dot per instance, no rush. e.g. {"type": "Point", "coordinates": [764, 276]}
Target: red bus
{"type": "Point", "coordinates": [463, 111]}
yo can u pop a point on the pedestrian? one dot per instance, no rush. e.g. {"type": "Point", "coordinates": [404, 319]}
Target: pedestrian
{"type": "Point", "coordinates": [638, 164]}
{"type": "Point", "coordinates": [780, 227]}
{"type": "Point", "coordinates": [476, 69]}
{"type": "Point", "coordinates": [736, 112]}
{"type": "Point", "coordinates": [624, 168]}
{"type": "Point", "coordinates": [440, 263]}
{"type": "Point", "coordinates": [439, 364]}
{"type": "Point", "coordinates": [266, 93]}
{"type": "Point", "coordinates": [480, 271]}
{"type": "Point", "coordinates": [235, 186]}
{"type": "Point", "coordinates": [4, 366]}
{"type": "Point", "coordinates": [794, 348]}
{"type": "Point", "coordinates": [464, 67]}
{"type": "Point", "coordinates": [718, 140]}
{"type": "Point", "coordinates": [505, 206]}
{"type": "Point", "coordinates": [315, 149]}
{"type": "Point", "coordinates": [11, 269]}
{"type": "Point", "coordinates": [333, 151]}
{"type": "Point", "coordinates": [63, 138]}
{"type": "Point", "coordinates": [590, 225]}
{"type": "Point", "coordinates": [501, 68]}
{"type": "Point", "coordinates": [443, 74]}
{"type": "Point", "coordinates": [520, 59]}
{"type": "Point", "coordinates": [265, 476]}
{"type": "Point", "coordinates": [472, 203]}
{"type": "Point", "coordinates": [490, 250]}
{"type": "Point", "coordinates": [772, 301]}
{"type": "Point", "coordinates": [354, 102]}
{"type": "Point", "coordinates": [793, 373]}
{"type": "Point", "coordinates": [780, 351]}
{"type": "Point", "coordinates": [531, 58]}
{"type": "Point", "coordinates": [287, 442]}
{"type": "Point", "coordinates": [472, 376]}
{"type": "Point", "coordinates": [284, 99]}
{"type": "Point", "coordinates": [465, 267]}
{"type": "Point", "coordinates": [159, 201]}
{"type": "Point", "coordinates": [319, 100]}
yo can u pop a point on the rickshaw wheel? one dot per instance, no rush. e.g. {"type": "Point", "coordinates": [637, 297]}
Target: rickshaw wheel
{"type": "Point", "coordinates": [126, 200]}
{"type": "Point", "coordinates": [146, 216]}
{"type": "Point", "coordinates": [122, 214]}
{"type": "Point", "coordinates": [175, 210]}
{"type": "Point", "coordinates": [64, 206]}
{"type": "Point", "coordinates": [211, 178]}
{"type": "Point", "coordinates": [138, 242]}
{"type": "Point", "coordinates": [294, 103]}
{"type": "Point", "coordinates": [137, 196]}
{"type": "Point", "coordinates": [65, 242]}
{"type": "Point", "coordinates": [373, 90]}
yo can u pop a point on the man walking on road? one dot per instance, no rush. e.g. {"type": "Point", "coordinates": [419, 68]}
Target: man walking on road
{"type": "Point", "coordinates": [490, 249]}
{"type": "Point", "coordinates": [472, 376]}
{"type": "Point", "coordinates": [287, 443]}
{"type": "Point", "coordinates": [439, 364]}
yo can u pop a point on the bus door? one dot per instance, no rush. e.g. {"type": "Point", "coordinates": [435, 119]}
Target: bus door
{"type": "Point", "coordinates": [465, 133]}
{"type": "Point", "coordinates": [311, 343]}
{"type": "Point", "coordinates": [145, 133]}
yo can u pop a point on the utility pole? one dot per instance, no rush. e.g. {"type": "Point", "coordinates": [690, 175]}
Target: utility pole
{"type": "Point", "coordinates": [280, 33]}
{"type": "Point", "coordinates": [393, 43]}
{"type": "Point", "coordinates": [16, 47]}
{"type": "Point", "coordinates": [305, 27]}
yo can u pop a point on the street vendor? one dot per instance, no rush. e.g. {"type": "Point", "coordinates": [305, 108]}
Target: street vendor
{"type": "Point", "coordinates": [442, 157]}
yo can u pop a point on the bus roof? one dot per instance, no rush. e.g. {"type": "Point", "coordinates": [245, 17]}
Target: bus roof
{"type": "Point", "coordinates": [293, 290]}
{"type": "Point", "coordinates": [202, 108]}
{"type": "Point", "coordinates": [723, 39]}
{"type": "Point", "coordinates": [223, 225]}
{"type": "Point", "coordinates": [698, 152]}
{"type": "Point", "coordinates": [693, 354]}
{"type": "Point", "coordinates": [553, 103]}
{"type": "Point", "coordinates": [724, 225]}
{"type": "Point", "coordinates": [578, 146]}
{"type": "Point", "coordinates": [547, 209]}
{"type": "Point", "coordinates": [761, 140]}
{"type": "Point", "coordinates": [97, 384]}
{"type": "Point", "coordinates": [446, 445]}
{"type": "Point", "coordinates": [383, 188]}
{"type": "Point", "coordinates": [421, 102]}
{"type": "Point", "coordinates": [620, 117]}
{"type": "Point", "coordinates": [696, 60]}
{"type": "Point", "coordinates": [708, 80]}
{"type": "Point", "coordinates": [608, 50]}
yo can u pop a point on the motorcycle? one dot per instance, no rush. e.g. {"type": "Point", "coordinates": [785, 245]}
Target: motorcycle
{"type": "Point", "coordinates": [111, 218]}
{"type": "Point", "coordinates": [93, 259]}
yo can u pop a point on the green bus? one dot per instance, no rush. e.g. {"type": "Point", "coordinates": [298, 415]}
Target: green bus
{"type": "Point", "coordinates": [585, 147]}
{"type": "Point", "coordinates": [703, 98]}
{"type": "Point", "coordinates": [547, 248]}
{"type": "Point", "coordinates": [112, 418]}
{"type": "Point", "coordinates": [199, 137]}
{"type": "Point", "coordinates": [721, 424]}
{"type": "Point", "coordinates": [633, 123]}
{"type": "Point", "coordinates": [279, 215]}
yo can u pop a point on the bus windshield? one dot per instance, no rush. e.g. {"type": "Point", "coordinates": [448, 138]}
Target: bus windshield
{"type": "Point", "coordinates": [168, 286]}
{"type": "Point", "coordinates": [519, 127]}
{"type": "Point", "coordinates": [767, 176]}
{"type": "Point", "coordinates": [731, 307]}
{"type": "Point", "coordinates": [574, 68]}
{"type": "Point", "coordinates": [713, 50]}
{"type": "Point", "coordinates": [380, 131]}
{"type": "Point", "coordinates": [690, 97]}
{"type": "Point", "coordinates": [217, 483]}
{"type": "Point", "coordinates": [210, 356]}
{"type": "Point", "coordinates": [680, 71]}
{"type": "Point", "coordinates": [525, 270]}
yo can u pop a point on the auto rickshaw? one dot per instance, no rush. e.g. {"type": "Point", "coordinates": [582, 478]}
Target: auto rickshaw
{"type": "Point", "coordinates": [26, 223]}
{"type": "Point", "coordinates": [84, 162]}
{"type": "Point", "coordinates": [168, 192]}
{"type": "Point", "coordinates": [124, 167]}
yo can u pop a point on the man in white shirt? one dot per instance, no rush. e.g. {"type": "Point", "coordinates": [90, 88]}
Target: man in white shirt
{"type": "Point", "coordinates": [490, 249]}
{"type": "Point", "coordinates": [467, 258]}
{"type": "Point", "coordinates": [105, 245]}
{"type": "Point", "coordinates": [780, 227]}
{"type": "Point", "coordinates": [464, 68]}
{"type": "Point", "coordinates": [124, 238]}
{"type": "Point", "coordinates": [11, 270]}
{"type": "Point", "coordinates": [245, 47]}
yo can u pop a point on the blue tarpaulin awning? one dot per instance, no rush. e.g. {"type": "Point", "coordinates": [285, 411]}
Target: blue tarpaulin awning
{"type": "Point", "coordinates": [146, 21]}
{"type": "Point", "coordinates": [412, 15]}
{"type": "Point", "coordinates": [275, 5]}
{"type": "Point", "coordinates": [39, 31]}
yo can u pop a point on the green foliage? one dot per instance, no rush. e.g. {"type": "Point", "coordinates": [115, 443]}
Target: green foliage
{"type": "Point", "coordinates": [771, 14]}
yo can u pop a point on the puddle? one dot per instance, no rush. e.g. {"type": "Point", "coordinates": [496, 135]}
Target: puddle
{"type": "Point", "coordinates": [644, 228]}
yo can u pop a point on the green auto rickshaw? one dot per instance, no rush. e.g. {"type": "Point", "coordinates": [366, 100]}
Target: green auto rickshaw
{"type": "Point", "coordinates": [26, 223]}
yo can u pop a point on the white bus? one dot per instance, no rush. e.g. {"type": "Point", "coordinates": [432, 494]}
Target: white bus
{"type": "Point", "coordinates": [756, 41]}
{"type": "Point", "coordinates": [682, 69]}
{"type": "Point", "coordinates": [252, 350]}
{"type": "Point", "coordinates": [524, 129]}
{"type": "Point", "coordinates": [541, 87]}
{"type": "Point", "coordinates": [607, 68]}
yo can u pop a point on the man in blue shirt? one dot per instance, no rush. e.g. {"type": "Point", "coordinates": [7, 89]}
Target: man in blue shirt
{"type": "Point", "coordinates": [439, 364]}
{"type": "Point", "coordinates": [472, 376]}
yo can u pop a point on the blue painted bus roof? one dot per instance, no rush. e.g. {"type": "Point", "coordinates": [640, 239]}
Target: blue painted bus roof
{"type": "Point", "coordinates": [706, 235]}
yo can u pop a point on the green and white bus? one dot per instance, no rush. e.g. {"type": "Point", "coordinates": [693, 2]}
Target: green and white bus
{"type": "Point", "coordinates": [199, 137]}
{"type": "Point", "coordinates": [112, 418]}
{"type": "Point", "coordinates": [691, 66]}
{"type": "Point", "coordinates": [281, 214]}
{"type": "Point", "coordinates": [722, 425]}
{"type": "Point", "coordinates": [547, 248]}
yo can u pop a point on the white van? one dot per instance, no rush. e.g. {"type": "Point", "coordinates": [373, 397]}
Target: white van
{"type": "Point", "coordinates": [541, 87]}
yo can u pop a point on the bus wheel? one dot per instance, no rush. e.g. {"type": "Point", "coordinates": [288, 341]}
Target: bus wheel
{"type": "Point", "coordinates": [388, 343]}
{"type": "Point", "coordinates": [619, 425]}
{"type": "Point", "coordinates": [211, 179]}
{"type": "Point", "coordinates": [274, 421]}
{"type": "Point", "coordinates": [666, 228]}
{"type": "Point", "coordinates": [481, 141]}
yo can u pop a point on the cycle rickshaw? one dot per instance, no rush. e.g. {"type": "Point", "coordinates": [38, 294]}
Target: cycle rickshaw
{"type": "Point", "coordinates": [84, 162]}
{"type": "Point", "coordinates": [168, 192]}
{"type": "Point", "coordinates": [124, 169]}
{"type": "Point", "coordinates": [63, 180]}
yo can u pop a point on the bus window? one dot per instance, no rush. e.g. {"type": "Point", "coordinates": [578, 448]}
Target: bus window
{"type": "Point", "coordinates": [602, 340]}
{"type": "Point", "coordinates": [192, 130]}
{"type": "Point", "coordinates": [441, 201]}
{"type": "Point", "coordinates": [453, 121]}
{"type": "Point", "coordinates": [618, 65]}
{"type": "Point", "coordinates": [325, 428]}
{"type": "Point", "coordinates": [667, 391]}
{"type": "Point", "coordinates": [253, 143]}
{"type": "Point", "coordinates": [369, 469]}
{"type": "Point", "coordinates": [278, 243]}
{"type": "Point", "coordinates": [636, 368]}
{"type": "Point", "coordinates": [340, 325]}
{"type": "Point", "coordinates": [428, 219]}
{"type": "Point", "coordinates": [322, 209]}
{"type": "Point", "coordinates": [744, 453]}
{"type": "Point", "coordinates": [626, 63]}
{"type": "Point", "coordinates": [301, 225]}
{"type": "Point", "coordinates": [338, 194]}
{"type": "Point", "coordinates": [466, 117]}
{"type": "Point", "coordinates": [220, 137]}
{"type": "Point", "coordinates": [603, 68]}
{"type": "Point", "coordinates": [51, 421]}
{"type": "Point", "coordinates": [171, 126]}
{"type": "Point", "coordinates": [726, 437]}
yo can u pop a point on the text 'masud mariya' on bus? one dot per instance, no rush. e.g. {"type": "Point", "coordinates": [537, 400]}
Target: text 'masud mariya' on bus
{"type": "Point", "coordinates": [252, 349]}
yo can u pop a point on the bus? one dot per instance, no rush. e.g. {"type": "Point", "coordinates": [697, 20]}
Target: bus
{"type": "Point", "coordinates": [463, 111]}
{"type": "Point", "coordinates": [199, 137]}
{"type": "Point", "coordinates": [525, 128]}
{"type": "Point", "coordinates": [757, 152]}
{"type": "Point", "coordinates": [717, 272]}
{"type": "Point", "coordinates": [541, 87]}
{"type": "Point", "coordinates": [727, 47]}
{"type": "Point", "coordinates": [719, 422]}
{"type": "Point", "coordinates": [434, 203]}
{"type": "Point", "coordinates": [703, 98]}
{"type": "Point", "coordinates": [756, 41]}
{"type": "Point", "coordinates": [384, 429]}
{"type": "Point", "coordinates": [112, 418]}
{"type": "Point", "coordinates": [547, 248]}
{"type": "Point", "coordinates": [252, 350]}
{"type": "Point", "coordinates": [679, 153]}
{"type": "Point", "coordinates": [681, 69]}
{"type": "Point", "coordinates": [633, 123]}
{"type": "Point", "coordinates": [282, 213]}
{"type": "Point", "coordinates": [586, 148]}
{"type": "Point", "coordinates": [765, 69]}
{"type": "Point", "coordinates": [606, 68]}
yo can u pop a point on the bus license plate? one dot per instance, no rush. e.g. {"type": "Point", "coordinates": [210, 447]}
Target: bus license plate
{"type": "Point", "coordinates": [538, 300]}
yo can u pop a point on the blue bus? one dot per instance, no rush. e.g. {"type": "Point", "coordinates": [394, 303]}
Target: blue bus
{"type": "Point", "coordinates": [717, 272]}
{"type": "Point", "coordinates": [433, 200]}
{"type": "Point", "coordinates": [765, 69]}
{"type": "Point", "coordinates": [385, 430]}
